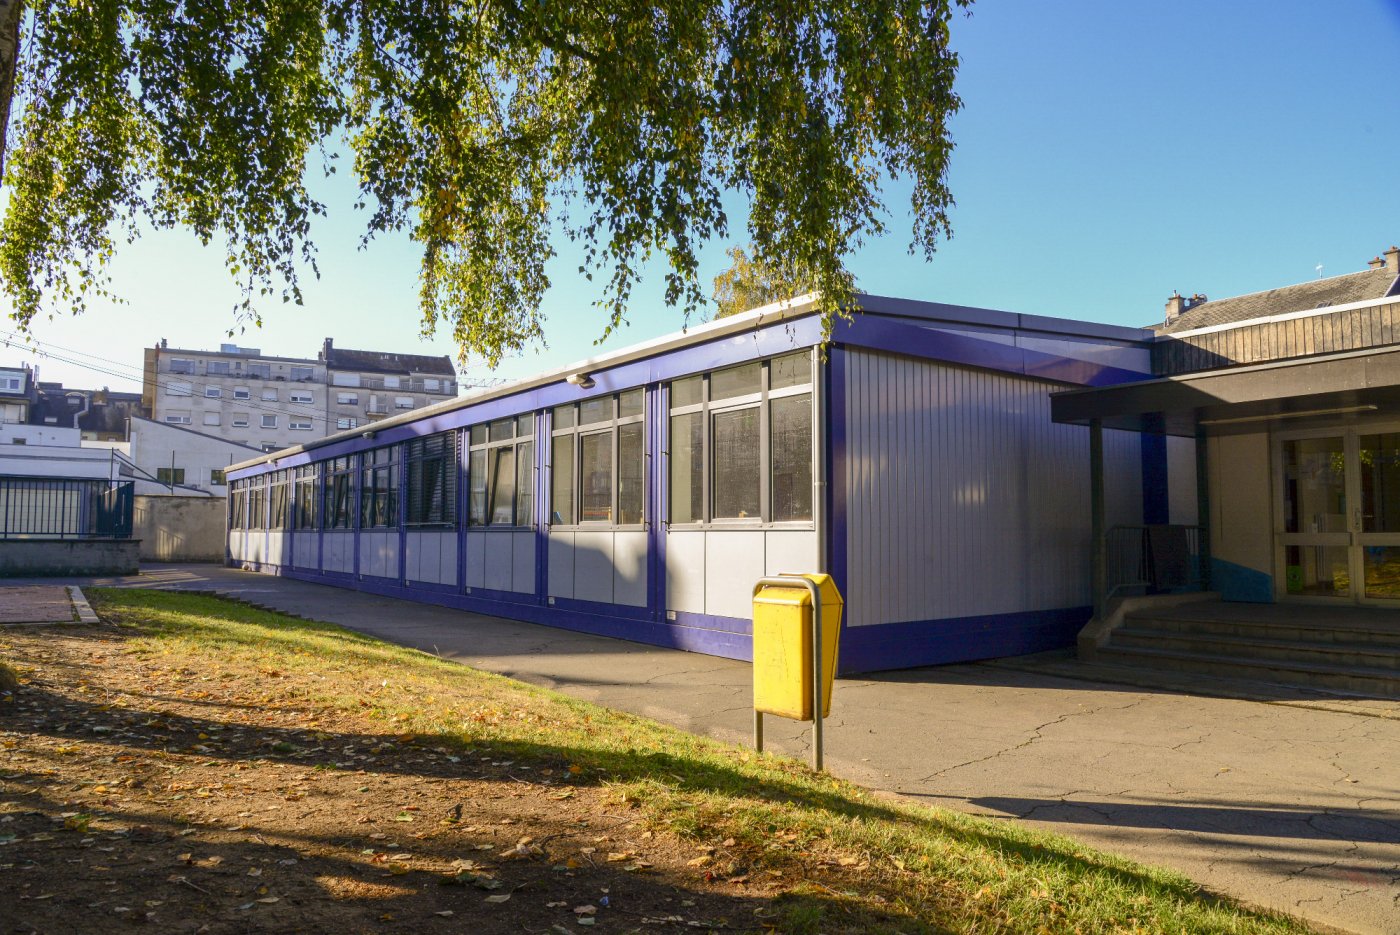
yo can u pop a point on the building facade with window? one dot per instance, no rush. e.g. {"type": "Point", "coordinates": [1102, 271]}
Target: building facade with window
{"type": "Point", "coordinates": [17, 394]}
{"type": "Point", "coordinates": [237, 393]}
{"type": "Point", "coordinates": [367, 386]}
{"type": "Point", "coordinates": [641, 494]}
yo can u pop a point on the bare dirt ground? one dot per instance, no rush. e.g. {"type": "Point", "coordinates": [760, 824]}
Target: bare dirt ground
{"type": "Point", "coordinates": [137, 792]}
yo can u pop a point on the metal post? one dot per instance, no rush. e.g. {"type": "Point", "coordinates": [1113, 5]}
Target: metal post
{"type": "Point", "coordinates": [1099, 532]}
{"type": "Point", "coordinates": [1203, 506]}
{"type": "Point", "coordinates": [789, 581]}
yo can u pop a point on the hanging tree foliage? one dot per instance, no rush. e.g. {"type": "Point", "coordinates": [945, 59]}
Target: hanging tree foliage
{"type": "Point", "coordinates": [479, 128]}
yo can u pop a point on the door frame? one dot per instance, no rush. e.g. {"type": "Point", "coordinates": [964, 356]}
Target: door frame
{"type": "Point", "coordinates": [1354, 539]}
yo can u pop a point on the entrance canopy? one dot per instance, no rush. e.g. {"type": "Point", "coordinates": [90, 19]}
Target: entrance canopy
{"type": "Point", "coordinates": [1219, 400]}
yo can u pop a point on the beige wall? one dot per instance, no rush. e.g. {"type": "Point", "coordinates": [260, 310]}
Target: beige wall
{"type": "Point", "coordinates": [180, 529]}
{"type": "Point", "coordinates": [1241, 504]}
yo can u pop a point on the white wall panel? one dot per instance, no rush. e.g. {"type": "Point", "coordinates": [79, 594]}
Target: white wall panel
{"type": "Point", "coordinates": [379, 553]}
{"type": "Point", "coordinates": [339, 552]}
{"type": "Point", "coordinates": [789, 551]}
{"type": "Point", "coordinates": [561, 564]}
{"type": "Point", "coordinates": [477, 544]}
{"type": "Point", "coordinates": [962, 497]}
{"type": "Point", "coordinates": [235, 544]}
{"type": "Point", "coordinates": [277, 547]}
{"type": "Point", "coordinates": [431, 556]}
{"type": "Point", "coordinates": [305, 549]}
{"type": "Point", "coordinates": [685, 571]}
{"type": "Point", "coordinates": [630, 568]}
{"type": "Point", "coordinates": [593, 566]}
{"type": "Point", "coordinates": [733, 561]}
{"type": "Point", "coordinates": [523, 562]}
{"type": "Point", "coordinates": [500, 561]}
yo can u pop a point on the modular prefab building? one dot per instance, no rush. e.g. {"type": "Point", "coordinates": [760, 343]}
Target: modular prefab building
{"type": "Point", "coordinates": [641, 494]}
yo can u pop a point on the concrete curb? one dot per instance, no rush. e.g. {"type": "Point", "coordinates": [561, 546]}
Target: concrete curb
{"type": "Point", "coordinates": [81, 606]}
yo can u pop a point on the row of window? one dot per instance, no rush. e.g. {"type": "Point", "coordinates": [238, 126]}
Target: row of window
{"type": "Point", "coordinates": [183, 388]}
{"type": "Point", "coordinates": [741, 450]}
{"type": "Point", "coordinates": [176, 475]}
{"type": "Point", "coordinates": [238, 420]}
{"type": "Point", "coordinates": [237, 368]}
{"type": "Point", "coordinates": [353, 399]}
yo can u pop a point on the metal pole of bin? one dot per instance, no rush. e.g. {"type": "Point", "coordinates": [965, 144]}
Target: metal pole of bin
{"type": "Point", "coordinates": [789, 581]}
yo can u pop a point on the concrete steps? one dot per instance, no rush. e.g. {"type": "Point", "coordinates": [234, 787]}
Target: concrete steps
{"type": "Point", "coordinates": [1345, 650]}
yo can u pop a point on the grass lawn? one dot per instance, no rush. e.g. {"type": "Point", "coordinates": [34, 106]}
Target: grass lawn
{"type": "Point", "coordinates": [203, 766]}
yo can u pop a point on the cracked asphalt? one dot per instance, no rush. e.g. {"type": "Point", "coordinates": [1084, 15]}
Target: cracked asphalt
{"type": "Point", "coordinates": [1289, 807]}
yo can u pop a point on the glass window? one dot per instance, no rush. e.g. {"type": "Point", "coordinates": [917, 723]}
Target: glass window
{"type": "Point", "coordinates": [631, 473]}
{"type": "Point", "coordinates": [339, 512]}
{"type": "Point", "coordinates": [305, 513]}
{"type": "Point", "coordinates": [792, 370]}
{"type": "Point", "coordinates": [260, 370]}
{"type": "Point", "coordinates": [302, 373]}
{"type": "Point", "coordinates": [735, 466]}
{"type": "Point", "coordinates": [1314, 485]}
{"type": "Point", "coordinates": [170, 475]}
{"type": "Point", "coordinates": [216, 478]}
{"type": "Point", "coordinates": [476, 487]}
{"type": "Point", "coordinates": [269, 396]}
{"type": "Point", "coordinates": [502, 468]}
{"type": "Point", "coordinates": [790, 437]}
{"type": "Point", "coordinates": [564, 417]}
{"type": "Point", "coordinates": [751, 461]}
{"type": "Point", "coordinates": [595, 476]}
{"type": "Point", "coordinates": [525, 484]}
{"type": "Point", "coordinates": [524, 426]}
{"type": "Point", "coordinates": [179, 365]}
{"type": "Point", "coordinates": [217, 367]}
{"type": "Point", "coordinates": [431, 463]}
{"type": "Point", "coordinates": [212, 392]}
{"type": "Point", "coordinates": [501, 430]}
{"type": "Point", "coordinates": [562, 469]}
{"type": "Point", "coordinates": [687, 392]}
{"type": "Point", "coordinates": [593, 411]}
{"type": "Point", "coordinates": [736, 381]}
{"type": "Point", "coordinates": [1380, 483]}
{"type": "Point", "coordinates": [687, 468]}
{"type": "Point", "coordinates": [269, 422]}
{"type": "Point", "coordinates": [379, 493]}
{"type": "Point", "coordinates": [630, 404]}
{"type": "Point", "coordinates": [503, 487]}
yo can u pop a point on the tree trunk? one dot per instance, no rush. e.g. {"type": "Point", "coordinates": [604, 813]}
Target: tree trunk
{"type": "Point", "coordinates": [11, 14]}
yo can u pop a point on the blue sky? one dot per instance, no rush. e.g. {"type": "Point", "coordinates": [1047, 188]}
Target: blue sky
{"type": "Point", "coordinates": [1107, 154]}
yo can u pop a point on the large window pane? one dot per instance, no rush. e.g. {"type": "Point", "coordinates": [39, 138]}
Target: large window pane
{"type": "Point", "coordinates": [631, 473]}
{"type": "Point", "coordinates": [790, 437]}
{"type": "Point", "coordinates": [1380, 482]}
{"type": "Point", "coordinates": [503, 487]}
{"type": "Point", "coordinates": [734, 465]}
{"type": "Point", "coordinates": [1314, 485]}
{"type": "Point", "coordinates": [1318, 570]}
{"type": "Point", "coordinates": [525, 484]}
{"type": "Point", "coordinates": [595, 476]}
{"type": "Point", "coordinates": [685, 392]}
{"type": "Point", "coordinates": [477, 483]}
{"type": "Point", "coordinates": [736, 381]}
{"type": "Point", "coordinates": [595, 410]}
{"type": "Point", "coordinates": [502, 430]}
{"type": "Point", "coordinates": [563, 481]}
{"type": "Point", "coordinates": [792, 370]}
{"type": "Point", "coordinates": [564, 416]}
{"type": "Point", "coordinates": [1382, 571]}
{"type": "Point", "coordinates": [687, 468]}
{"type": "Point", "coordinates": [630, 403]}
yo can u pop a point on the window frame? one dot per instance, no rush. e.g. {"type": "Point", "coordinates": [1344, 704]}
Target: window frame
{"type": "Point", "coordinates": [490, 452]}
{"type": "Point", "coordinates": [761, 401]}
{"type": "Point", "coordinates": [333, 471]}
{"type": "Point", "coordinates": [440, 455]}
{"type": "Point", "coordinates": [306, 497]}
{"type": "Point", "coordinates": [379, 505]}
{"type": "Point", "coordinates": [612, 426]}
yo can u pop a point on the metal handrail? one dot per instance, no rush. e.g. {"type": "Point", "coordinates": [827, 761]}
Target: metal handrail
{"type": "Point", "coordinates": [1130, 564]}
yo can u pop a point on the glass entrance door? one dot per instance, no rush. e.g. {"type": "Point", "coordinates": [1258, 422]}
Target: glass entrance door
{"type": "Point", "coordinates": [1339, 534]}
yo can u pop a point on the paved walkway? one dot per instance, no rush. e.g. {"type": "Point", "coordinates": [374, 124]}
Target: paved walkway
{"type": "Point", "coordinates": [35, 604]}
{"type": "Point", "coordinates": [1288, 807]}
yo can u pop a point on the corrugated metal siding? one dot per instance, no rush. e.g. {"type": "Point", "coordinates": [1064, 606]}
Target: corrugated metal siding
{"type": "Point", "coordinates": [963, 498]}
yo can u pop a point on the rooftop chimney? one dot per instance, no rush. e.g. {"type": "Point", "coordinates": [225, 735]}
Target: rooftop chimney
{"type": "Point", "coordinates": [1175, 306]}
{"type": "Point", "coordinates": [1375, 262]}
{"type": "Point", "coordinates": [1392, 259]}
{"type": "Point", "coordinates": [326, 349]}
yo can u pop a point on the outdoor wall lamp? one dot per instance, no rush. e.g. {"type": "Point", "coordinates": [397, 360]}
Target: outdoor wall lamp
{"type": "Point", "coordinates": [583, 381]}
{"type": "Point", "coordinates": [369, 434]}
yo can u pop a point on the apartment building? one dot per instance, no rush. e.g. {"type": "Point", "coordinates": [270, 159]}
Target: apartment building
{"type": "Point", "coordinates": [366, 386]}
{"type": "Point", "coordinates": [237, 393]}
{"type": "Point", "coordinates": [266, 402]}
{"type": "Point", "coordinates": [16, 394]}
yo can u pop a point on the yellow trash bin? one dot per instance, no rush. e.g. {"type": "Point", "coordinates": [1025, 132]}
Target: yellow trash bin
{"type": "Point", "coordinates": [782, 647]}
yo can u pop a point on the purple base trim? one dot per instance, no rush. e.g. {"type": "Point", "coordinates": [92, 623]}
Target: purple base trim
{"type": "Point", "coordinates": [607, 620]}
{"type": "Point", "coordinates": [738, 625]}
{"type": "Point", "coordinates": [958, 639]}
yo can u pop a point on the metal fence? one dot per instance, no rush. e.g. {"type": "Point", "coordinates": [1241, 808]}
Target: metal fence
{"type": "Point", "coordinates": [1154, 559]}
{"type": "Point", "coordinates": [42, 508]}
